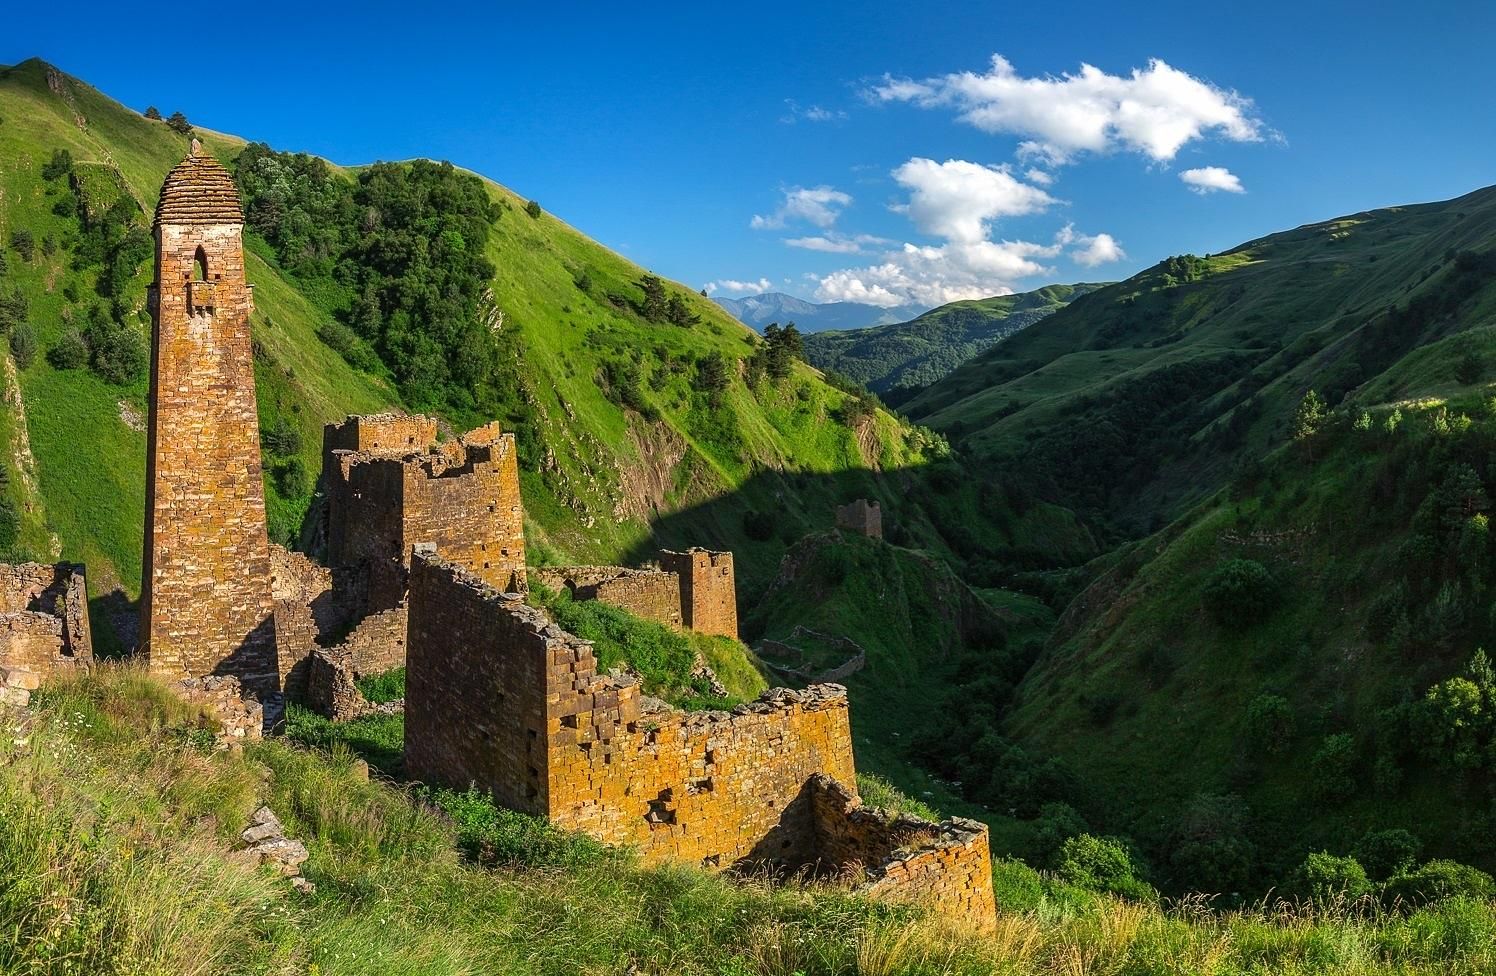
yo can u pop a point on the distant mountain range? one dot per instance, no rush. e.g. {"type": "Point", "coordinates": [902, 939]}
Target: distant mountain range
{"type": "Point", "coordinates": [898, 359]}
{"type": "Point", "coordinates": [758, 311]}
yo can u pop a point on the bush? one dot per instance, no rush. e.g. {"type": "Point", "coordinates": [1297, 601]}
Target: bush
{"type": "Point", "coordinates": [1240, 593]}
{"type": "Point", "coordinates": [490, 834]}
{"type": "Point", "coordinates": [1103, 864]}
{"type": "Point", "coordinates": [350, 345]}
{"type": "Point", "coordinates": [1334, 767]}
{"type": "Point", "coordinates": [1323, 877]}
{"type": "Point", "coordinates": [1211, 849]}
{"type": "Point", "coordinates": [292, 479]}
{"type": "Point", "coordinates": [1270, 723]}
{"type": "Point", "coordinates": [23, 243]}
{"type": "Point", "coordinates": [69, 352]}
{"type": "Point", "coordinates": [179, 124]}
{"type": "Point", "coordinates": [282, 439]}
{"type": "Point", "coordinates": [1386, 853]}
{"type": "Point", "coordinates": [1438, 880]}
{"type": "Point", "coordinates": [23, 343]}
{"type": "Point", "coordinates": [533, 209]}
{"type": "Point", "coordinates": [61, 164]}
{"type": "Point", "coordinates": [117, 352]}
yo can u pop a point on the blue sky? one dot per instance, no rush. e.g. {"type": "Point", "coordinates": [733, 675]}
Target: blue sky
{"type": "Point", "coordinates": [883, 152]}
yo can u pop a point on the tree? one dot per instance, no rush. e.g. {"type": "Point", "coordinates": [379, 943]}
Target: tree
{"type": "Point", "coordinates": [1270, 723]}
{"type": "Point", "coordinates": [61, 164]}
{"type": "Point", "coordinates": [1102, 864]}
{"type": "Point", "coordinates": [1385, 853]}
{"type": "Point", "coordinates": [69, 351]}
{"type": "Point", "coordinates": [1437, 880]}
{"type": "Point", "coordinates": [24, 243]}
{"type": "Point", "coordinates": [178, 123]}
{"type": "Point", "coordinates": [533, 209]}
{"type": "Point", "coordinates": [13, 310]}
{"type": "Point", "coordinates": [679, 313]}
{"type": "Point", "coordinates": [711, 374]}
{"type": "Point", "coordinates": [1324, 877]}
{"type": "Point", "coordinates": [153, 113]}
{"type": "Point", "coordinates": [1309, 416]}
{"type": "Point", "coordinates": [655, 306]}
{"type": "Point", "coordinates": [1470, 369]}
{"type": "Point", "coordinates": [117, 352]}
{"type": "Point", "coordinates": [1210, 847]}
{"type": "Point", "coordinates": [1333, 767]}
{"type": "Point", "coordinates": [23, 343]}
{"type": "Point", "coordinates": [1392, 421]}
{"type": "Point", "coordinates": [1240, 593]}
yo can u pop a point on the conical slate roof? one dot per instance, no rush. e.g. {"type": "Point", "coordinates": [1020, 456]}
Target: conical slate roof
{"type": "Point", "coordinates": [199, 190]}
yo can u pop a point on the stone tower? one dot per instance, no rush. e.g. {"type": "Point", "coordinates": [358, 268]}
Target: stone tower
{"type": "Point", "coordinates": [206, 602]}
{"type": "Point", "coordinates": [708, 593]}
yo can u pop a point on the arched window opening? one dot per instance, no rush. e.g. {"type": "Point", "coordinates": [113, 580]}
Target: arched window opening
{"type": "Point", "coordinates": [200, 265]}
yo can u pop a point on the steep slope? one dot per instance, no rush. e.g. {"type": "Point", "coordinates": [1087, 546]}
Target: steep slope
{"type": "Point", "coordinates": [760, 310]}
{"type": "Point", "coordinates": [897, 360]}
{"type": "Point", "coordinates": [619, 430]}
{"type": "Point", "coordinates": [1138, 399]}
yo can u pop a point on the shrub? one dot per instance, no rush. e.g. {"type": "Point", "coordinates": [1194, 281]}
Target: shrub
{"type": "Point", "coordinates": [69, 352]}
{"type": "Point", "coordinates": [23, 243]}
{"type": "Point", "coordinates": [1438, 880]}
{"type": "Point", "coordinates": [179, 124]}
{"type": "Point", "coordinates": [292, 478]}
{"type": "Point", "coordinates": [1240, 593]}
{"type": "Point", "coordinates": [1103, 864]}
{"type": "Point", "coordinates": [533, 209]}
{"type": "Point", "coordinates": [490, 834]}
{"type": "Point", "coordinates": [23, 343]}
{"type": "Point", "coordinates": [282, 439]}
{"type": "Point", "coordinates": [1333, 767]}
{"type": "Point", "coordinates": [61, 164]}
{"type": "Point", "coordinates": [1056, 823]}
{"type": "Point", "coordinates": [1211, 849]}
{"type": "Point", "coordinates": [1270, 723]}
{"type": "Point", "coordinates": [1324, 877]}
{"type": "Point", "coordinates": [350, 345]}
{"type": "Point", "coordinates": [117, 352]}
{"type": "Point", "coordinates": [1386, 853]}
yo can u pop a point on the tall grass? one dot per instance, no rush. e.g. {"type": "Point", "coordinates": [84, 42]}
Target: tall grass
{"type": "Point", "coordinates": [117, 831]}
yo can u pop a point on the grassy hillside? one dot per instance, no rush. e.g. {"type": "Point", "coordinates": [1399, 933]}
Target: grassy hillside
{"type": "Point", "coordinates": [896, 361]}
{"type": "Point", "coordinates": [118, 823]}
{"type": "Point", "coordinates": [618, 429]}
{"type": "Point", "coordinates": [1139, 399]}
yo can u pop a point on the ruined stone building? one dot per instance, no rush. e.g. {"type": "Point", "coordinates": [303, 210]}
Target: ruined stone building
{"type": "Point", "coordinates": [861, 516]}
{"type": "Point", "coordinates": [691, 590]}
{"type": "Point", "coordinates": [499, 697]}
{"type": "Point", "coordinates": [390, 486]}
{"type": "Point", "coordinates": [206, 602]}
{"type": "Point", "coordinates": [44, 617]}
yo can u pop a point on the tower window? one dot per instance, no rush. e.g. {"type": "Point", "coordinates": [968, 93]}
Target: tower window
{"type": "Point", "coordinates": [200, 265]}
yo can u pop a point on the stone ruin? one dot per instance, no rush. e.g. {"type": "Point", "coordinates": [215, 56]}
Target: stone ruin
{"type": "Point", "coordinates": [861, 516]}
{"type": "Point", "coordinates": [426, 568]}
{"type": "Point", "coordinates": [499, 697]}
{"type": "Point", "coordinates": [692, 590]}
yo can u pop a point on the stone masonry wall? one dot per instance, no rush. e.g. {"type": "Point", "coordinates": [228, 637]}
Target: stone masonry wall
{"type": "Point", "coordinates": [463, 497]}
{"type": "Point", "coordinates": [708, 594]}
{"type": "Point", "coordinates": [206, 606]}
{"type": "Point", "coordinates": [861, 516]}
{"type": "Point", "coordinates": [905, 857]}
{"type": "Point", "coordinates": [475, 686]}
{"type": "Point", "coordinates": [377, 644]}
{"type": "Point", "coordinates": [44, 617]}
{"type": "Point", "coordinates": [651, 594]}
{"type": "Point", "coordinates": [498, 696]}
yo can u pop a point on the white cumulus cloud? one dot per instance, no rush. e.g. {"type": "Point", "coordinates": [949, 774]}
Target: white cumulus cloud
{"type": "Point", "coordinates": [1209, 179]}
{"type": "Point", "coordinates": [1093, 251]}
{"type": "Point", "coordinates": [958, 200]}
{"type": "Point", "coordinates": [837, 243]}
{"type": "Point", "coordinates": [1040, 177]}
{"type": "Point", "coordinates": [730, 287]}
{"type": "Point", "coordinates": [1154, 110]}
{"type": "Point", "coordinates": [815, 205]}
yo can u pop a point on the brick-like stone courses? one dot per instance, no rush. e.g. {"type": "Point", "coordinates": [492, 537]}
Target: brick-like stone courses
{"type": "Point", "coordinates": [475, 686]}
{"type": "Point", "coordinates": [44, 617]}
{"type": "Point", "coordinates": [206, 606]}
{"type": "Point", "coordinates": [649, 593]}
{"type": "Point", "coordinates": [377, 644]}
{"type": "Point", "coordinates": [303, 592]}
{"type": "Point", "coordinates": [462, 496]}
{"type": "Point", "coordinates": [861, 516]}
{"type": "Point", "coordinates": [708, 590]}
{"type": "Point", "coordinates": [904, 857]}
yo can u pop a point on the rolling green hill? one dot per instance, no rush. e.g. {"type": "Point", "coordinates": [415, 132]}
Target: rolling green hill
{"type": "Point", "coordinates": [896, 361]}
{"type": "Point", "coordinates": [618, 427]}
{"type": "Point", "coordinates": [1139, 399]}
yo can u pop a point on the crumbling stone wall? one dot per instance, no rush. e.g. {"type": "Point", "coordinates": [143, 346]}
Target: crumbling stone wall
{"type": "Point", "coordinates": [499, 697]}
{"type": "Point", "coordinates": [904, 857]}
{"type": "Point", "coordinates": [649, 593]}
{"type": "Point", "coordinates": [462, 496]}
{"type": "Point", "coordinates": [861, 516]}
{"type": "Point", "coordinates": [206, 605]}
{"type": "Point", "coordinates": [708, 589]}
{"type": "Point", "coordinates": [377, 644]}
{"type": "Point", "coordinates": [44, 617]}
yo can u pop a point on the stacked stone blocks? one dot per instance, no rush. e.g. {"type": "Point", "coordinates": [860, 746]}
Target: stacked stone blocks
{"type": "Point", "coordinates": [861, 516]}
{"type": "Point", "coordinates": [44, 618]}
{"type": "Point", "coordinates": [206, 605]}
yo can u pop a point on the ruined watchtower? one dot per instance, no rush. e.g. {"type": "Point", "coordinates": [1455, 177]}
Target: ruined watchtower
{"type": "Point", "coordinates": [206, 604]}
